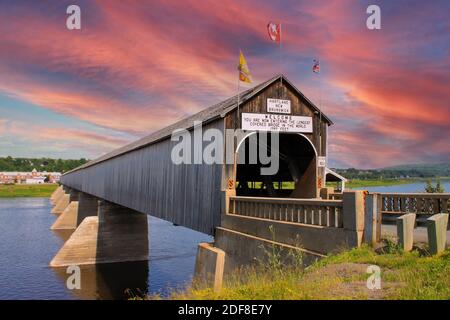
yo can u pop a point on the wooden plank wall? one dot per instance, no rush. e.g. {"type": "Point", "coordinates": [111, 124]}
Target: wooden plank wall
{"type": "Point", "coordinates": [146, 180]}
{"type": "Point", "coordinates": [299, 107]}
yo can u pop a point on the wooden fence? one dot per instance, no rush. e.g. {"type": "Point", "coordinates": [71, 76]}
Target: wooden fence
{"type": "Point", "coordinates": [305, 211]}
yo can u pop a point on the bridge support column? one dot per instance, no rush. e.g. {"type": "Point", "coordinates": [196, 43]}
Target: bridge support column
{"type": "Point", "coordinates": [56, 194]}
{"type": "Point", "coordinates": [74, 194]}
{"type": "Point", "coordinates": [117, 234]}
{"type": "Point", "coordinates": [81, 205]}
{"type": "Point", "coordinates": [68, 219]}
{"type": "Point", "coordinates": [87, 207]}
{"type": "Point", "coordinates": [437, 232]}
{"type": "Point", "coordinates": [61, 203]}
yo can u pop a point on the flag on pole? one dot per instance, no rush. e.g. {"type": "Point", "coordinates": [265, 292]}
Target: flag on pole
{"type": "Point", "coordinates": [316, 66]}
{"type": "Point", "coordinates": [244, 73]}
{"type": "Point", "coordinates": [274, 30]}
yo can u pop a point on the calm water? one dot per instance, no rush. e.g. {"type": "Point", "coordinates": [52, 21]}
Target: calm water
{"type": "Point", "coordinates": [407, 188]}
{"type": "Point", "coordinates": [27, 245]}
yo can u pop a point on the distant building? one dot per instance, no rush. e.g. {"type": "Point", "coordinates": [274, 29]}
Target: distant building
{"type": "Point", "coordinates": [33, 177]}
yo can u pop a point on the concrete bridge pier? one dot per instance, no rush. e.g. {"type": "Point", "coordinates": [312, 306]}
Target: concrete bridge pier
{"type": "Point", "coordinates": [56, 194]}
{"type": "Point", "coordinates": [61, 202]}
{"type": "Point", "coordinates": [81, 205]}
{"type": "Point", "coordinates": [117, 234]}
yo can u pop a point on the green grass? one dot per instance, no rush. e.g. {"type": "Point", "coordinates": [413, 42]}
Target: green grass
{"type": "Point", "coordinates": [27, 190]}
{"type": "Point", "coordinates": [342, 276]}
{"type": "Point", "coordinates": [359, 183]}
{"type": "Point", "coordinates": [356, 183]}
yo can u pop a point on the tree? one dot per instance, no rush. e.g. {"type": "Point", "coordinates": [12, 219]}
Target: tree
{"type": "Point", "coordinates": [439, 188]}
{"type": "Point", "coordinates": [429, 188]}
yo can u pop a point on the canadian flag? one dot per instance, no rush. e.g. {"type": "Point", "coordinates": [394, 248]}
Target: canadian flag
{"type": "Point", "coordinates": [274, 30]}
{"type": "Point", "coordinates": [316, 66]}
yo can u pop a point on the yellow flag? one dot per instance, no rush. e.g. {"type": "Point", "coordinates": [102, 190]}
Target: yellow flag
{"type": "Point", "coordinates": [244, 73]}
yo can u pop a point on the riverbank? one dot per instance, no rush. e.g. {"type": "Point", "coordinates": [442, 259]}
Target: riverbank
{"type": "Point", "coordinates": [359, 183]}
{"type": "Point", "coordinates": [412, 275]}
{"type": "Point", "coordinates": [27, 190]}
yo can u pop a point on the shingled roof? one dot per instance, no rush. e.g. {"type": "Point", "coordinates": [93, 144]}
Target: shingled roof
{"type": "Point", "coordinates": [212, 113]}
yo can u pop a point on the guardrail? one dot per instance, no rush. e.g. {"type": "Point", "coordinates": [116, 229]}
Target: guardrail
{"type": "Point", "coordinates": [423, 204]}
{"type": "Point", "coordinates": [306, 211]}
{"type": "Point", "coordinates": [419, 203]}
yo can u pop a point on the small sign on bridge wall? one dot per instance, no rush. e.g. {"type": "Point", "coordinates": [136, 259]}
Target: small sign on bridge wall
{"type": "Point", "coordinates": [278, 106]}
{"type": "Point", "coordinates": [276, 122]}
{"type": "Point", "coordinates": [321, 162]}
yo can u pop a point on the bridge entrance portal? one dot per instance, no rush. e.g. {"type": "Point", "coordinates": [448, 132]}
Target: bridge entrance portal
{"type": "Point", "coordinates": [297, 173]}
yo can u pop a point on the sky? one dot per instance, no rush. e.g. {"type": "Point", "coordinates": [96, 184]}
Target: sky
{"type": "Point", "coordinates": [138, 66]}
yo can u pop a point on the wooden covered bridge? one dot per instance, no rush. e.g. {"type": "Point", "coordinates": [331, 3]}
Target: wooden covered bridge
{"type": "Point", "coordinates": [107, 199]}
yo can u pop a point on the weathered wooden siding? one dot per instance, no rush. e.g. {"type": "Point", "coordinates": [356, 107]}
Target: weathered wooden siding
{"type": "Point", "coordinates": [146, 180]}
{"type": "Point", "coordinates": [299, 107]}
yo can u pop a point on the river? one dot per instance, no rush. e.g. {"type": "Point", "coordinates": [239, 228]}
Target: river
{"type": "Point", "coordinates": [406, 188]}
{"type": "Point", "coordinates": [27, 245]}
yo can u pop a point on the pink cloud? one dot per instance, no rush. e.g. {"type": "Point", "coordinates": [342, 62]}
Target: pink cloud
{"type": "Point", "coordinates": [137, 68]}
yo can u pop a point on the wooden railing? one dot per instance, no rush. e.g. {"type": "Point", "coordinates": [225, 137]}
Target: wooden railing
{"type": "Point", "coordinates": [305, 211]}
{"type": "Point", "coordinates": [422, 204]}
{"type": "Point", "coordinates": [419, 203]}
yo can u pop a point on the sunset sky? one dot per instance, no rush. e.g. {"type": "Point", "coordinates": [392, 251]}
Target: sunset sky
{"type": "Point", "coordinates": [137, 66]}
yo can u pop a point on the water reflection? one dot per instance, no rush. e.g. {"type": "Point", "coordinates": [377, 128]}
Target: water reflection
{"type": "Point", "coordinates": [115, 281]}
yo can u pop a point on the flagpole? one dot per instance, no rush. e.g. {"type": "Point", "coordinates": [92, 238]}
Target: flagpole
{"type": "Point", "coordinates": [281, 68]}
{"type": "Point", "coordinates": [320, 112]}
{"type": "Point", "coordinates": [239, 81]}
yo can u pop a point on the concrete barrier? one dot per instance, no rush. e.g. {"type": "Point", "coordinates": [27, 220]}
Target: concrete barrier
{"type": "Point", "coordinates": [245, 250]}
{"type": "Point", "coordinates": [372, 220]}
{"type": "Point", "coordinates": [405, 231]}
{"type": "Point", "coordinates": [437, 232]}
{"type": "Point", "coordinates": [353, 216]}
{"type": "Point", "coordinates": [209, 266]}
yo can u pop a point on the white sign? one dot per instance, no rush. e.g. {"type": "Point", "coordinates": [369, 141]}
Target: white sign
{"type": "Point", "coordinates": [321, 162]}
{"type": "Point", "coordinates": [278, 106]}
{"type": "Point", "coordinates": [276, 122]}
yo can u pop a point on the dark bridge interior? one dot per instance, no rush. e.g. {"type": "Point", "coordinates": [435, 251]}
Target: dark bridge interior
{"type": "Point", "coordinates": [297, 173]}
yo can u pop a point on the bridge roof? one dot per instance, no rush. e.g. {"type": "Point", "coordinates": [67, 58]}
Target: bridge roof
{"type": "Point", "coordinates": [207, 115]}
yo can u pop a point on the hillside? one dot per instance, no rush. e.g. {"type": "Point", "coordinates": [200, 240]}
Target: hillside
{"type": "Point", "coordinates": [400, 171]}
{"type": "Point", "coordinates": [438, 169]}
